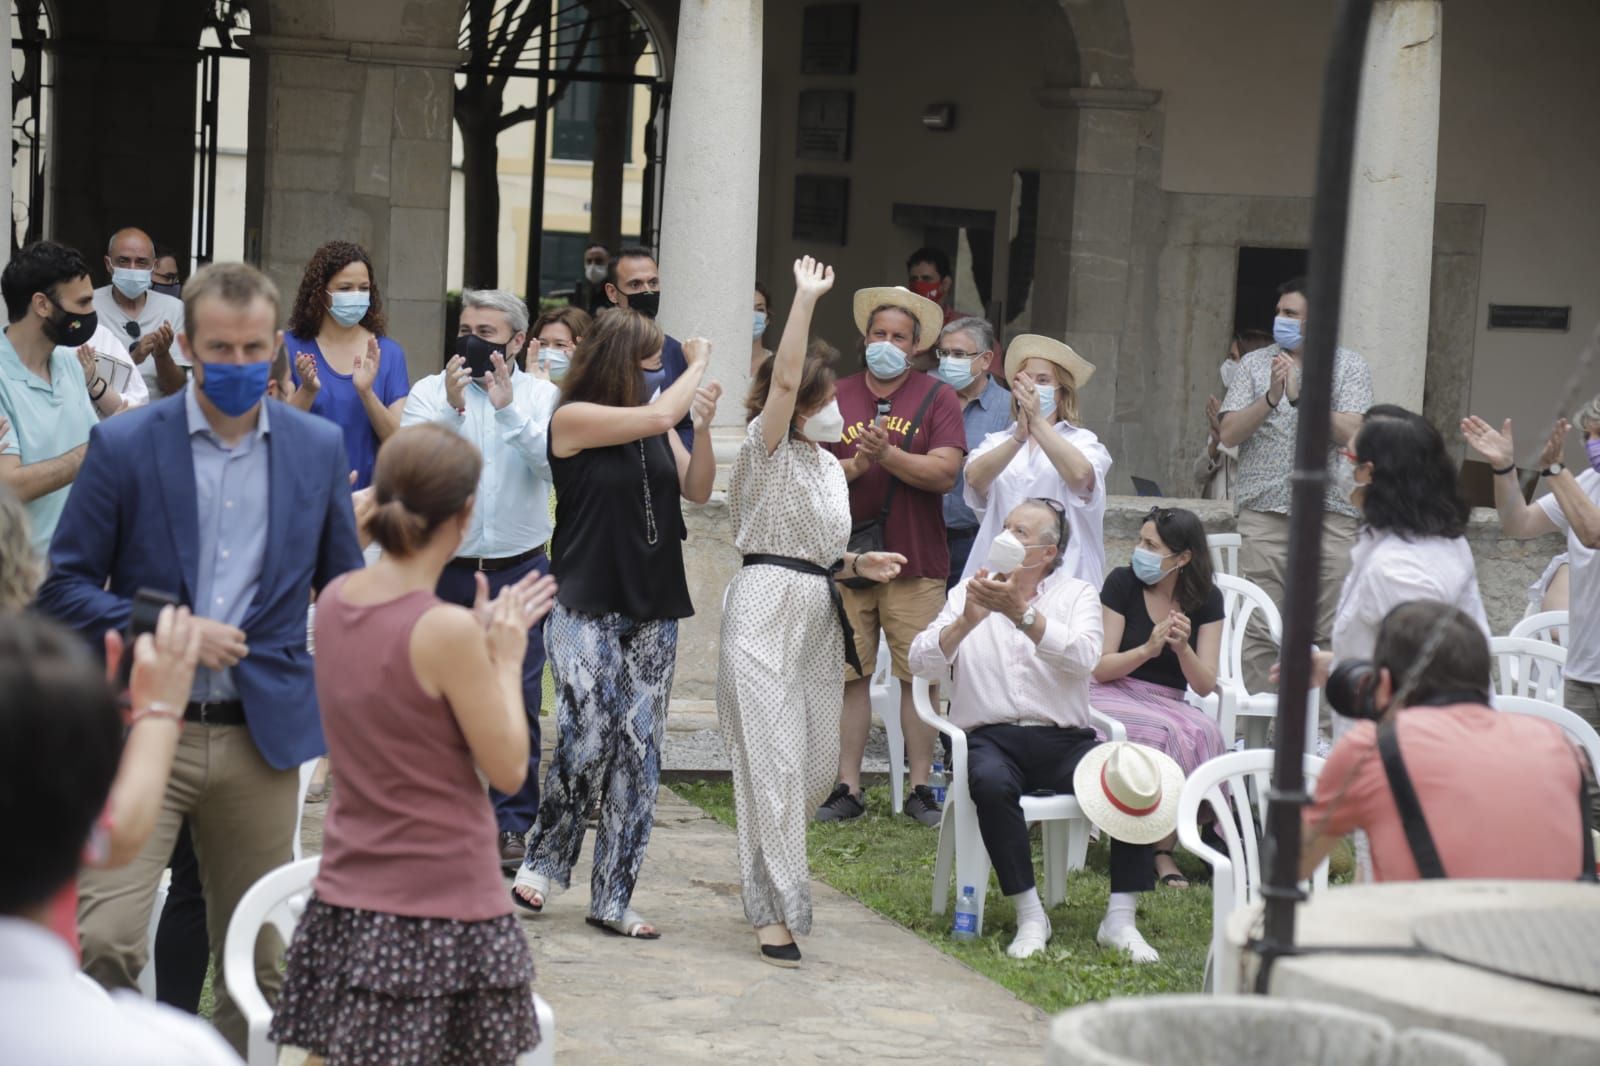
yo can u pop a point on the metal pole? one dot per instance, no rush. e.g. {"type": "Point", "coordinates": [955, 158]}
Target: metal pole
{"type": "Point", "coordinates": [1330, 220]}
{"type": "Point", "coordinates": [536, 192]}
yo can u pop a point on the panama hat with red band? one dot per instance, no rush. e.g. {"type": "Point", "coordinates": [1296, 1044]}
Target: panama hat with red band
{"type": "Point", "coordinates": [1129, 790]}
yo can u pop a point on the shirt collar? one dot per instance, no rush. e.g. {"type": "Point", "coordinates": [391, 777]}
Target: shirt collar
{"type": "Point", "coordinates": [197, 418]}
{"type": "Point", "coordinates": [11, 363]}
{"type": "Point", "coordinates": [992, 393]}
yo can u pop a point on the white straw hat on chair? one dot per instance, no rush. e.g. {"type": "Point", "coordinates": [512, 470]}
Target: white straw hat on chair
{"type": "Point", "coordinates": [1129, 790]}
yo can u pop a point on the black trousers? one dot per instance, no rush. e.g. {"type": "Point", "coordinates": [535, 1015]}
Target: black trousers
{"type": "Point", "coordinates": [1007, 762]}
{"type": "Point", "coordinates": [183, 947]}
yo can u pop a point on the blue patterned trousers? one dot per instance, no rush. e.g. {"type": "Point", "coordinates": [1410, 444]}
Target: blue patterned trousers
{"type": "Point", "coordinates": [612, 678]}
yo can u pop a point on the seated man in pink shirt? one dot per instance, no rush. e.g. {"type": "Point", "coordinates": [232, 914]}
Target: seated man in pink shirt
{"type": "Point", "coordinates": [1497, 794]}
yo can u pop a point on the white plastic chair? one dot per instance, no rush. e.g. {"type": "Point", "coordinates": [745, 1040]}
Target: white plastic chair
{"type": "Point", "coordinates": [1547, 626]}
{"type": "Point", "coordinates": [1225, 552]}
{"type": "Point", "coordinates": [1237, 875]}
{"type": "Point", "coordinates": [1574, 725]}
{"type": "Point", "coordinates": [279, 898]}
{"type": "Point", "coordinates": [1066, 829]}
{"type": "Point", "coordinates": [1241, 600]}
{"type": "Point", "coordinates": [885, 695]}
{"type": "Point", "coordinates": [1527, 667]}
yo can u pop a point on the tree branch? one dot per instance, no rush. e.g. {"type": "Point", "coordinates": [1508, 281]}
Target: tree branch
{"type": "Point", "coordinates": [508, 58]}
{"type": "Point", "coordinates": [531, 111]}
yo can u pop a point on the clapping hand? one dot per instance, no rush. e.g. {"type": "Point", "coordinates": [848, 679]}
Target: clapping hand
{"type": "Point", "coordinates": [1282, 370]}
{"type": "Point", "coordinates": [86, 360]}
{"type": "Point", "coordinates": [512, 613]}
{"type": "Point", "coordinates": [456, 378]}
{"type": "Point", "coordinates": [697, 351]}
{"type": "Point", "coordinates": [879, 566]}
{"type": "Point", "coordinates": [1214, 417]}
{"type": "Point", "coordinates": [1556, 446]}
{"type": "Point", "coordinates": [1494, 445]}
{"type": "Point", "coordinates": [499, 385]}
{"type": "Point", "coordinates": [1178, 629]}
{"type": "Point", "coordinates": [305, 365]}
{"type": "Point", "coordinates": [538, 586]}
{"type": "Point", "coordinates": [873, 442]}
{"type": "Point", "coordinates": [1159, 637]}
{"type": "Point", "coordinates": [811, 278]}
{"type": "Point", "coordinates": [365, 503]}
{"type": "Point", "coordinates": [1002, 595]}
{"type": "Point", "coordinates": [975, 610]}
{"type": "Point", "coordinates": [704, 407]}
{"type": "Point", "coordinates": [1027, 396]}
{"type": "Point", "coordinates": [365, 371]}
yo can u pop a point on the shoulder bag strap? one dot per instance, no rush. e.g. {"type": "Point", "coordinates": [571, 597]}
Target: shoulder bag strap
{"type": "Point", "coordinates": [916, 423]}
{"type": "Point", "coordinates": [1586, 790]}
{"type": "Point", "coordinates": [1405, 798]}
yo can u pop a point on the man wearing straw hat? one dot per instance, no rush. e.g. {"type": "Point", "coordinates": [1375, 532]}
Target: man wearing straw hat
{"type": "Point", "coordinates": [1021, 646]}
{"type": "Point", "coordinates": [902, 449]}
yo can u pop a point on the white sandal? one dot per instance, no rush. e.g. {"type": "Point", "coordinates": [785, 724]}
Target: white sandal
{"type": "Point", "coordinates": [629, 925]}
{"type": "Point", "coordinates": [539, 883]}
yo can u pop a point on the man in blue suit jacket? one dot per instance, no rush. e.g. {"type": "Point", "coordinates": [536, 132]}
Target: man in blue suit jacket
{"type": "Point", "coordinates": [240, 507]}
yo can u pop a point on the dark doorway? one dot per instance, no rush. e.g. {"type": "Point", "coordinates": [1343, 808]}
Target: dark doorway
{"type": "Point", "coordinates": [1261, 271]}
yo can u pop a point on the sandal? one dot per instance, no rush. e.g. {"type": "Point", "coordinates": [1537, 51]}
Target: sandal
{"type": "Point", "coordinates": [538, 883]}
{"type": "Point", "coordinates": [1172, 880]}
{"type": "Point", "coordinates": [629, 925]}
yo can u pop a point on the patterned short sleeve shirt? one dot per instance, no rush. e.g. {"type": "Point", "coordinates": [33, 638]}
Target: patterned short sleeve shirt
{"type": "Point", "coordinates": [1266, 459]}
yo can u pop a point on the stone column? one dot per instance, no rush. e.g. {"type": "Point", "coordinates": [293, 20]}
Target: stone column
{"type": "Point", "coordinates": [1390, 248]}
{"type": "Point", "coordinates": [5, 172]}
{"type": "Point", "coordinates": [351, 140]}
{"type": "Point", "coordinates": [708, 217]}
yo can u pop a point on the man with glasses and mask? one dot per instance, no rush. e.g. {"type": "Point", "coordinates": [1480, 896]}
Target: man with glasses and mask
{"type": "Point", "coordinates": [635, 283]}
{"type": "Point", "coordinates": [146, 320]}
{"type": "Point", "coordinates": [965, 351]}
{"type": "Point", "coordinates": [47, 394]}
{"type": "Point", "coordinates": [484, 395]}
{"type": "Point", "coordinates": [164, 276]}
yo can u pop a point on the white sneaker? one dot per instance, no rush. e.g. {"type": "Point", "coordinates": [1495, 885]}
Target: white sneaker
{"type": "Point", "coordinates": [1030, 939]}
{"type": "Point", "coordinates": [1127, 938]}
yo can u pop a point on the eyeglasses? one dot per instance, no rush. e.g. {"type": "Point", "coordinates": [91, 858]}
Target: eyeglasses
{"type": "Point", "coordinates": [1158, 514]}
{"type": "Point", "coordinates": [1054, 505]}
{"type": "Point", "coordinates": [956, 353]}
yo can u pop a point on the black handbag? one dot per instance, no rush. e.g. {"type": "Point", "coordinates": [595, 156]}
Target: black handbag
{"type": "Point", "coordinates": [867, 534]}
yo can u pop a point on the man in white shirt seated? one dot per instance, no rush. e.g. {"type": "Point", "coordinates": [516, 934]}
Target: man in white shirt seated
{"type": "Point", "coordinates": [148, 321]}
{"type": "Point", "coordinates": [1021, 647]}
{"type": "Point", "coordinates": [63, 740]}
{"type": "Point", "coordinates": [506, 413]}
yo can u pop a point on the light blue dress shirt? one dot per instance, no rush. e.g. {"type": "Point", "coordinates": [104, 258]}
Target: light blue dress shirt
{"type": "Point", "coordinates": [989, 413]}
{"type": "Point", "coordinates": [231, 495]}
{"type": "Point", "coordinates": [511, 514]}
{"type": "Point", "coordinates": [48, 418]}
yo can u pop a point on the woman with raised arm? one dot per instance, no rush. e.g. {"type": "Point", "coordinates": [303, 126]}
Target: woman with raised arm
{"type": "Point", "coordinates": [613, 636]}
{"type": "Point", "coordinates": [408, 942]}
{"type": "Point", "coordinates": [784, 642]}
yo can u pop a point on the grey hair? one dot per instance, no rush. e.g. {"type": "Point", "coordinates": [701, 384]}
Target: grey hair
{"type": "Point", "coordinates": [916, 323]}
{"type": "Point", "coordinates": [1588, 415]}
{"type": "Point", "coordinates": [980, 329]}
{"type": "Point", "coordinates": [508, 304]}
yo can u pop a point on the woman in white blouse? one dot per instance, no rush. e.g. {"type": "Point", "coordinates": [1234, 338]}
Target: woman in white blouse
{"type": "Point", "coordinates": [1045, 454]}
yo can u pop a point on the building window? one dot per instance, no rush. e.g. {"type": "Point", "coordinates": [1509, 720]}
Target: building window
{"type": "Point", "coordinates": [572, 135]}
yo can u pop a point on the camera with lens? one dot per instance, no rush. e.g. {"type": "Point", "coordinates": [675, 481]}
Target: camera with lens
{"type": "Point", "coordinates": [1352, 689]}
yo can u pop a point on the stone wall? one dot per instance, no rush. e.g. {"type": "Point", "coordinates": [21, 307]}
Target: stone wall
{"type": "Point", "coordinates": [1506, 568]}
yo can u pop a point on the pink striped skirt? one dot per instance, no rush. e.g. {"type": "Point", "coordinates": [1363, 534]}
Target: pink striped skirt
{"type": "Point", "coordinates": [1157, 716]}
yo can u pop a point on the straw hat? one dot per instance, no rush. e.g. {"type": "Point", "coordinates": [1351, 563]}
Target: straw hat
{"type": "Point", "coordinates": [1025, 346]}
{"type": "Point", "coordinates": [929, 315]}
{"type": "Point", "coordinates": [1129, 790]}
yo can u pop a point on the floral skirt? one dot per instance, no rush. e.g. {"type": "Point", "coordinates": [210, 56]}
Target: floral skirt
{"type": "Point", "coordinates": [367, 987]}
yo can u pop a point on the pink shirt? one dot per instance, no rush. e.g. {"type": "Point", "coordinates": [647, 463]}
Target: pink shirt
{"type": "Point", "coordinates": [1499, 792]}
{"type": "Point", "coordinates": [410, 831]}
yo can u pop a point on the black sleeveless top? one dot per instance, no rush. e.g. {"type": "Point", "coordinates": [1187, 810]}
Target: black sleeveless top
{"type": "Point", "coordinates": [602, 553]}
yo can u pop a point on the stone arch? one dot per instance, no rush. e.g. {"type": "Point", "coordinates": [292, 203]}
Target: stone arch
{"type": "Point", "coordinates": [1105, 42]}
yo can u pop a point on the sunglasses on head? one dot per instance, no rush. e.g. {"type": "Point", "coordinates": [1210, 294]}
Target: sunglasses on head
{"type": "Point", "coordinates": [1061, 517]}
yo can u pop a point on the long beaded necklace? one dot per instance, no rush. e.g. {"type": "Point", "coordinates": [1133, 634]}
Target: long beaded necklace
{"type": "Point", "coordinates": [650, 532]}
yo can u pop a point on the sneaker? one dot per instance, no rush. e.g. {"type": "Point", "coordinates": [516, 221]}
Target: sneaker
{"type": "Point", "coordinates": [513, 849]}
{"type": "Point", "coordinates": [841, 806]}
{"type": "Point", "coordinates": [921, 806]}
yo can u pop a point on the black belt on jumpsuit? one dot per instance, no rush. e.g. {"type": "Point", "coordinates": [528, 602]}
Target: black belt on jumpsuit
{"type": "Point", "coordinates": [804, 566]}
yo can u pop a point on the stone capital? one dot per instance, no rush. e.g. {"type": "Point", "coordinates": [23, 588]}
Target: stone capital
{"type": "Point", "coordinates": [401, 55]}
{"type": "Point", "coordinates": [1053, 97]}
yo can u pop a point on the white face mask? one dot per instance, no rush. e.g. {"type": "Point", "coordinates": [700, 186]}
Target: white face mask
{"type": "Point", "coordinates": [826, 426]}
{"type": "Point", "coordinates": [1006, 554]}
{"type": "Point", "coordinates": [595, 273]}
{"type": "Point", "coordinates": [1230, 368]}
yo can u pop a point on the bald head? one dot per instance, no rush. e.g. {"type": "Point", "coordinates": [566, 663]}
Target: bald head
{"type": "Point", "coordinates": [130, 247]}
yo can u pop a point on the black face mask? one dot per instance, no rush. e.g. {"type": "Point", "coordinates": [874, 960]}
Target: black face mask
{"type": "Point", "coordinates": [476, 351]}
{"type": "Point", "coordinates": [173, 289]}
{"type": "Point", "coordinates": [69, 329]}
{"type": "Point", "coordinates": [646, 303]}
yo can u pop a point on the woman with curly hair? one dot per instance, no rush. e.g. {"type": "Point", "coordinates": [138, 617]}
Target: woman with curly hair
{"type": "Point", "coordinates": [344, 368]}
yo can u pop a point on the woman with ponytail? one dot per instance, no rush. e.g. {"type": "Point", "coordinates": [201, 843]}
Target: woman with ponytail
{"type": "Point", "coordinates": [408, 941]}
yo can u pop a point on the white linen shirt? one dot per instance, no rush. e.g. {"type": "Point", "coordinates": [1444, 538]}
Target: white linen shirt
{"type": "Point", "coordinates": [1387, 570]}
{"type": "Point", "coordinates": [49, 1014]}
{"type": "Point", "coordinates": [1030, 474]}
{"type": "Point", "coordinates": [135, 392]}
{"type": "Point", "coordinates": [1001, 677]}
{"type": "Point", "coordinates": [512, 512]}
{"type": "Point", "coordinates": [1583, 644]}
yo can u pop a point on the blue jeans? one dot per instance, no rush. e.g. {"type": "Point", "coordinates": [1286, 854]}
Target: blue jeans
{"type": "Point", "coordinates": [513, 813]}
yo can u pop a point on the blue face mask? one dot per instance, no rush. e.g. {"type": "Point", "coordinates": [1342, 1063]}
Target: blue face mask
{"type": "Point", "coordinates": [555, 362]}
{"type": "Point", "coordinates": [348, 308]}
{"type": "Point", "coordinates": [760, 324]}
{"type": "Point", "coordinates": [957, 373]}
{"type": "Point", "coordinates": [130, 282]}
{"type": "Point", "coordinates": [1286, 331]}
{"type": "Point", "coordinates": [234, 389]}
{"type": "Point", "coordinates": [1147, 566]}
{"type": "Point", "coordinates": [1047, 403]}
{"type": "Point", "coordinates": [885, 361]}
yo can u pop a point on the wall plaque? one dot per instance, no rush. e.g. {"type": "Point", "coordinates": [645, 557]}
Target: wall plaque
{"type": "Point", "coordinates": [828, 39]}
{"type": "Point", "coordinates": [821, 208]}
{"type": "Point", "coordinates": [1522, 316]}
{"type": "Point", "coordinates": [824, 127]}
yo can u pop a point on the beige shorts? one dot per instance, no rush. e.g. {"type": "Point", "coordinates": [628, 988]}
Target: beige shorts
{"type": "Point", "coordinates": [901, 609]}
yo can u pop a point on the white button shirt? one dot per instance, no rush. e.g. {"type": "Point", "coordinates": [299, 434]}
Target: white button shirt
{"type": "Point", "coordinates": [1001, 677]}
{"type": "Point", "coordinates": [50, 1015]}
{"type": "Point", "coordinates": [1387, 570]}
{"type": "Point", "coordinates": [129, 381]}
{"type": "Point", "coordinates": [512, 512]}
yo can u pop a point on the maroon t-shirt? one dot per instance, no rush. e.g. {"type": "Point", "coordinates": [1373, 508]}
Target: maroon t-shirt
{"type": "Point", "coordinates": [916, 521]}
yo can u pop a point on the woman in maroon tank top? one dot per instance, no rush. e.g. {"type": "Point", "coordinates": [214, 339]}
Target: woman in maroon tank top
{"type": "Point", "coordinates": [408, 952]}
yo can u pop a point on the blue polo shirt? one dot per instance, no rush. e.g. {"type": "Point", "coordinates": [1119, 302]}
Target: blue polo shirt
{"type": "Point", "coordinates": [989, 413]}
{"type": "Point", "coordinates": [47, 419]}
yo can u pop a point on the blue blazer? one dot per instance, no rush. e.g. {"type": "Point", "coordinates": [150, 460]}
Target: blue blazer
{"type": "Point", "coordinates": [131, 522]}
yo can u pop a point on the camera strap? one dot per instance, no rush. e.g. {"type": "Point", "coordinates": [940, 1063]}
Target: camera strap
{"type": "Point", "coordinates": [1418, 836]}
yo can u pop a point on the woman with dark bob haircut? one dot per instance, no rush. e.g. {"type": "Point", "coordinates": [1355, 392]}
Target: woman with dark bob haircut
{"type": "Point", "coordinates": [1163, 633]}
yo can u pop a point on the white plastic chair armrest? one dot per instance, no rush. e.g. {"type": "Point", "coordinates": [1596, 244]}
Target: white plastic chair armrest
{"type": "Point", "coordinates": [922, 700]}
{"type": "Point", "coordinates": [1113, 729]}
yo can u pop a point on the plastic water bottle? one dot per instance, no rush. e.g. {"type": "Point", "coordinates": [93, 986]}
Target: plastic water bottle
{"type": "Point", "coordinates": [965, 926]}
{"type": "Point", "coordinates": [937, 781]}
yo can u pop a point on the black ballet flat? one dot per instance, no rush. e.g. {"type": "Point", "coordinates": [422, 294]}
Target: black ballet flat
{"type": "Point", "coordinates": [785, 955]}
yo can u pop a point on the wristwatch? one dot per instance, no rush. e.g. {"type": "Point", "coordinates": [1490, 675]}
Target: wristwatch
{"type": "Point", "coordinates": [1554, 470]}
{"type": "Point", "coordinates": [1028, 617]}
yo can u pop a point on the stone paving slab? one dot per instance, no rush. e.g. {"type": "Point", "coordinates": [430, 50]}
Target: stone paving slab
{"type": "Point", "coordinates": [694, 742]}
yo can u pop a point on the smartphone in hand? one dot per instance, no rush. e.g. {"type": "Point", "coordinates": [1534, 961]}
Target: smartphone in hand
{"type": "Point", "coordinates": [147, 605]}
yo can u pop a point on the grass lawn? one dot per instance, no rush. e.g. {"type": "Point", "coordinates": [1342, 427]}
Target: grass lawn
{"type": "Point", "coordinates": [886, 862]}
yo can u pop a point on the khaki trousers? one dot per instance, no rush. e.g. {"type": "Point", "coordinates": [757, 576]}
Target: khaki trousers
{"type": "Point", "coordinates": [241, 816]}
{"type": "Point", "coordinates": [1264, 559]}
{"type": "Point", "coordinates": [1583, 699]}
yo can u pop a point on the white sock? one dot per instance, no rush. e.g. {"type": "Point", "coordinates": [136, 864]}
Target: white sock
{"type": "Point", "coordinates": [1029, 909]}
{"type": "Point", "coordinates": [1120, 910]}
